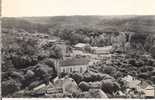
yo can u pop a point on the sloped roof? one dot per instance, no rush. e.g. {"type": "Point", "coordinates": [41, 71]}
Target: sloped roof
{"type": "Point", "coordinates": [80, 45]}
{"type": "Point", "coordinates": [94, 93]}
{"type": "Point", "coordinates": [149, 92]}
{"type": "Point", "coordinates": [105, 49]}
{"type": "Point", "coordinates": [149, 87]}
{"type": "Point", "coordinates": [128, 78]}
{"type": "Point", "coordinates": [144, 84]}
{"type": "Point", "coordinates": [102, 48]}
{"type": "Point", "coordinates": [133, 83]}
{"type": "Point", "coordinates": [75, 61]}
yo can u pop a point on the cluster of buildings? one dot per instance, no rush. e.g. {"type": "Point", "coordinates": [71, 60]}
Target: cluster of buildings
{"type": "Point", "coordinates": [57, 88]}
{"type": "Point", "coordinates": [143, 88]}
{"type": "Point", "coordinates": [79, 59]}
{"type": "Point", "coordinates": [34, 35]}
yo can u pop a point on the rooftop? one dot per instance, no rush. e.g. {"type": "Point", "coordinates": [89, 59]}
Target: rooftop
{"type": "Point", "coordinates": [133, 83]}
{"type": "Point", "coordinates": [75, 61]}
{"type": "Point", "coordinates": [102, 48]}
{"type": "Point", "coordinates": [80, 45]}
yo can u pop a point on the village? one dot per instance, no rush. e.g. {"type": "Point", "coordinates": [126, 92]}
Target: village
{"type": "Point", "coordinates": [78, 59]}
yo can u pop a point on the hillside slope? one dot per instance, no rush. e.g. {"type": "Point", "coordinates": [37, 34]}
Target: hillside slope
{"type": "Point", "coordinates": [102, 23]}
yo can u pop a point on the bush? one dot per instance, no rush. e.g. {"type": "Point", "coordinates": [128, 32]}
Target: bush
{"type": "Point", "coordinates": [143, 69]}
{"type": "Point", "coordinates": [77, 77]}
{"type": "Point", "coordinates": [49, 62]}
{"type": "Point", "coordinates": [96, 85]}
{"type": "Point", "coordinates": [9, 87]}
{"type": "Point", "coordinates": [7, 65]}
{"type": "Point", "coordinates": [143, 75]}
{"type": "Point", "coordinates": [138, 38]}
{"type": "Point", "coordinates": [34, 84]}
{"type": "Point", "coordinates": [56, 52]}
{"type": "Point", "coordinates": [84, 86]}
{"type": "Point", "coordinates": [94, 93]}
{"type": "Point", "coordinates": [21, 52]}
{"type": "Point", "coordinates": [109, 70]}
{"type": "Point", "coordinates": [153, 79]}
{"type": "Point", "coordinates": [23, 61]}
{"type": "Point", "coordinates": [44, 72]}
{"type": "Point", "coordinates": [92, 76]}
{"type": "Point", "coordinates": [109, 86]}
{"type": "Point", "coordinates": [153, 72]}
{"type": "Point", "coordinates": [17, 76]}
{"type": "Point", "coordinates": [149, 68]}
{"type": "Point", "coordinates": [153, 51]}
{"type": "Point", "coordinates": [29, 74]}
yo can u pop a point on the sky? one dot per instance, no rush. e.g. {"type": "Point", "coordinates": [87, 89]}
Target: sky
{"type": "Point", "coordinates": [24, 8]}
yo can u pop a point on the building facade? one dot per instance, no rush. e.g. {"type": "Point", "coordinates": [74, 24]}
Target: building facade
{"type": "Point", "coordinates": [102, 50]}
{"type": "Point", "coordinates": [74, 68]}
{"type": "Point", "coordinates": [74, 65]}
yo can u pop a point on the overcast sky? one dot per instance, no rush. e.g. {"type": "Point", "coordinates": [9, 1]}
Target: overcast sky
{"type": "Point", "coordinates": [18, 8]}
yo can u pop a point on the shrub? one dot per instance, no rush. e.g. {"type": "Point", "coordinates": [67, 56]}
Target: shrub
{"type": "Point", "coordinates": [109, 70]}
{"type": "Point", "coordinates": [84, 86]}
{"type": "Point", "coordinates": [138, 38]}
{"type": "Point", "coordinates": [143, 75]}
{"type": "Point", "coordinates": [21, 52]}
{"type": "Point", "coordinates": [49, 62]}
{"type": "Point", "coordinates": [107, 86]}
{"type": "Point", "coordinates": [9, 87]}
{"type": "Point", "coordinates": [77, 77]}
{"type": "Point", "coordinates": [153, 79]}
{"type": "Point", "coordinates": [110, 86]}
{"type": "Point", "coordinates": [44, 72]}
{"type": "Point", "coordinates": [56, 52]}
{"type": "Point", "coordinates": [153, 72]}
{"type": "Point", "coordinates": [153, 51]}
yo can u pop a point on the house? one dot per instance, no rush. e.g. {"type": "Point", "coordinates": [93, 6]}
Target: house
{"type": "Point", "coordinates": [102, 50]}
{"type": "Point", "coordinates": [81, 46]}
{"type": "Point", "coordinates": [78, 64]}
{"type": "Point", "coordinates": [128, 78]}
{"type": "Point", "coordinates": [39, 87]}
{"type": "Point", "coordinates": [80, 53]}
{"type": "Point", "coordinates": [39, 90]}
{"type": "Point", "coordinates": [149, 92]}
{"type": "Point", "coordinates": [76, 52]}
{"type": "Point", "coordinates": [65, 84]}
{"type": "Point", "coordinates": [133, 84]}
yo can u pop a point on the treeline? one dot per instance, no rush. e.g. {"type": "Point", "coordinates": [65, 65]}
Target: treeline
{"type": "Point", "coordinates": [23, 25]}
{"type": "Point", "coordinates": [85, 34]}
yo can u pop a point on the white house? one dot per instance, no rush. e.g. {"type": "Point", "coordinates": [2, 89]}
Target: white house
{"type": "Point", "coordinates": [128, 78]}
{"type": "Point", "coordinates": [149, 91]}
{"type": "Point", "coordinates": [80, 46]}
{"type": "Point", "coordinates": [75, 64]}
{"type": "Point", "coordinates": [102, 50]}
{"type": "Point", "coordinates": [64, 85]}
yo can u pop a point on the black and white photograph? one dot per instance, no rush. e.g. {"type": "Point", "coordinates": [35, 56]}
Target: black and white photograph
{"type": "Point", "coordinates": [78, 49]}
